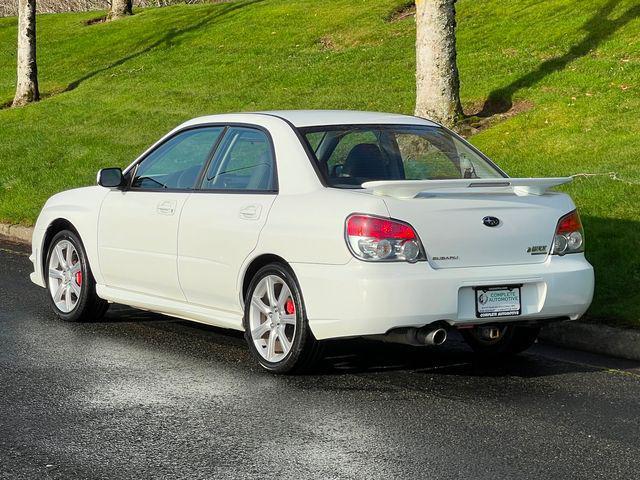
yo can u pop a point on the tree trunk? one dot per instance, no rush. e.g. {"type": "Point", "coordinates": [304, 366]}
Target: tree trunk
{"type": "Point", "coordinates": [27, 82]}
{"type": "Point", "coordinates": [437, 81]}
{"type": "Point", "coordinates": [120, 8]}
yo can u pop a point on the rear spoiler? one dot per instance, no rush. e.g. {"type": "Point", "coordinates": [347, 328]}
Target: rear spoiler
{"type": "Point", "coordinates": [413, 188]}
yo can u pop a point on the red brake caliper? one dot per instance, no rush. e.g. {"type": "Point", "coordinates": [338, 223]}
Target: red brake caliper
{"type": "Point", "coordinates": [79, 277]}
{"type": "Point", "coordinates": [289, 306]}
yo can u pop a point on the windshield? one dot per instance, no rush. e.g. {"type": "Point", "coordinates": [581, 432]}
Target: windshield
{"type": "Point", "coordinates": [350, 155]}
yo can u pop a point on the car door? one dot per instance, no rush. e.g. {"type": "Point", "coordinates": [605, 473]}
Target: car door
{"type": "Point", "coordinates": [138, 225]}
{"type": "Point", "coordinates": [220, 224]}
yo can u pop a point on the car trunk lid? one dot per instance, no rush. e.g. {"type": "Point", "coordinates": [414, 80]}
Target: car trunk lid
{"type": "Point", "coordinates": [500, 222]}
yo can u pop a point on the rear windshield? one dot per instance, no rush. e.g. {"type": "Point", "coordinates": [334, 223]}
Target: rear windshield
{"type": "Point", "coordinates": [350, 155]}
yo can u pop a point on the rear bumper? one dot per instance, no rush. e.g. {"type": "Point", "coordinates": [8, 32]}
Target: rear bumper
{"type": "Point", "coordinates": [361, 298]}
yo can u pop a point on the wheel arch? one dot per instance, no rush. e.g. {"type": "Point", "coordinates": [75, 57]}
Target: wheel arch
{"type": "Point", "coordinates": [256, 264]}
{"type": "Point", "coordinates": [55, 226]}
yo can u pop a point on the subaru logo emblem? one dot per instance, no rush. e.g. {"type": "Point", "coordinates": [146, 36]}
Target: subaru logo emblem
{"type": "Point", "coordinates": [491, 221]}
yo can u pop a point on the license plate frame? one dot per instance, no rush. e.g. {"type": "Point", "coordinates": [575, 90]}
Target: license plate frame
{"type": "Point", "coordinates": [509, 306]}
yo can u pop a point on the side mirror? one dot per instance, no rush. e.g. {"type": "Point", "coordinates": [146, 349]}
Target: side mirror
{"type": "Point", "coordinates": [110, 178]}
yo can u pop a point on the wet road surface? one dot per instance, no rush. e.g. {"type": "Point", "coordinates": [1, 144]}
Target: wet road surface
{"type": "Point", "coordinates": [139, 395]}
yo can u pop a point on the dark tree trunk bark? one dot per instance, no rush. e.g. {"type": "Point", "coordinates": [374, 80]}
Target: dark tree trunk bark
{"type": "Point", "coordinates": [437, 80]}
{"type": "Point", "coordinates": [119, 9]}
{"type": "Point", "coordinates": [27, 80]}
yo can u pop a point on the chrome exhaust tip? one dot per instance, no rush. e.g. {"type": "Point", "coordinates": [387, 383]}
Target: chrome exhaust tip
{"type": "Point", "coordinates": [427, 336]}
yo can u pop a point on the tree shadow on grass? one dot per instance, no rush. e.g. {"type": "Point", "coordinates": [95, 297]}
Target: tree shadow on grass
{"type": "Point", "coordinates": [166, 39]}
{"type": "Point", "coordinates": [599, 28]}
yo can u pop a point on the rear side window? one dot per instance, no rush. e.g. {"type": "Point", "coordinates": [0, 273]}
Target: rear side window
{"type": "Point", "coordinates": [243, 161]}
{"type": "Point", "coordinates": [177, 163]}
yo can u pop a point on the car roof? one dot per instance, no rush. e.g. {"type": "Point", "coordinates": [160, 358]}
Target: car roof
{"type": "Point", "coordinates": [310, 118]}
{"type": "Point", "coordinates": [313, 118]}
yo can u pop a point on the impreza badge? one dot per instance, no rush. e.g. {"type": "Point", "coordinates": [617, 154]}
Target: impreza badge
{"type": "Point", "coordinates": [537, 250]}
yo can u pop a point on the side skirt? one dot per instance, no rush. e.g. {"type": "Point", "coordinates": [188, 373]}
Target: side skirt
{"type": "Point", "coordinates": [174, 308]}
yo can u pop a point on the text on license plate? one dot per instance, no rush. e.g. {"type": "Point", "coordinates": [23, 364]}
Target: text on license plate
{"type": "Point", "coordinates": [497, 301]}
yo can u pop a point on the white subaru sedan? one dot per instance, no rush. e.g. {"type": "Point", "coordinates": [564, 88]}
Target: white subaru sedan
{"type": "Point", "coordinates": [301, 226]}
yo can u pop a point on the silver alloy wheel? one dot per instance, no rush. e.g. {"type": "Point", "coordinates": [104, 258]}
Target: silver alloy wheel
{"type": "Point", "coordinates": [65, 276]}
{"type": "Point", "coordinates": [272, 318]}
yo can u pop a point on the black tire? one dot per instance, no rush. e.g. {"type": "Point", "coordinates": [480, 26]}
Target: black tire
{"type": "Point", "coordinates": [305, 349]}
{"type": "Point", "coordinates": [514, 339]}
{"type": "Point", "coordinates": [89, 306]}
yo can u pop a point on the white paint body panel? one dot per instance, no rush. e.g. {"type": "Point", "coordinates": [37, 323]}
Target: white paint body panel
{"type": "Point", "coordinates": [81, 208]}
{"type": "Point", "coordinates": [214, 240]}
{"type": "Point", "coordinates": [451, 226]}
{"type": "Point", "coordinates": [185, 254]}
{"type": "Point", "coordinates": [370, 298]}
{"type": "Point", "coordinates": [137, 242]}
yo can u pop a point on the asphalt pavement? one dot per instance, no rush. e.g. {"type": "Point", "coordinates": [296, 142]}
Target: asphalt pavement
{"type": "Point", "coordinates": [139, 395]}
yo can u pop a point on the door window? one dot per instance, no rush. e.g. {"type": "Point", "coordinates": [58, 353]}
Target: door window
{"type": "Point", "coordinates": [177, 163]}
{"type": "Point", "coordinates": [244, 161]}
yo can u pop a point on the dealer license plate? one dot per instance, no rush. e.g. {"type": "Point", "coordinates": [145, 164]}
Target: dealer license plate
{"type": "Point", "coordinates": [498, 301]}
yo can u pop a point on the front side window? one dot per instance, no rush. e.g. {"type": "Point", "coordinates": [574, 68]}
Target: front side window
{"type": "Point", "coordinates": [351, 155]}
{"type": "Point", "coordinates": [244, 161]}
{"type": "Point", "coordinates": [177, 163]}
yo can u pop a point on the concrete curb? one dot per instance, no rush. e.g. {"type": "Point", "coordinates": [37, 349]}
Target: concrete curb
{"type": "Point", "coordinates": [603, 339]}
{"type": "Point", "coordinates": [16, 233]}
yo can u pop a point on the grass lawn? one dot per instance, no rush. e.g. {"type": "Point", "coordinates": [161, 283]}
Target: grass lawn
{"type": "Point", "coordinates": [572, 67]}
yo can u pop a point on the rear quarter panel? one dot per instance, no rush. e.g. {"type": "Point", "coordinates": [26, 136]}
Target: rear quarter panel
{"type": "Point", "coordinates": [309, 227]}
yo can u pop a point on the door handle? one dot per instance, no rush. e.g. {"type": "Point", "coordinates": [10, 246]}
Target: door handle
{"type": "Point", "coordinates": [166, 208]}
{"type": "Point", "coordinates": [250, 212]}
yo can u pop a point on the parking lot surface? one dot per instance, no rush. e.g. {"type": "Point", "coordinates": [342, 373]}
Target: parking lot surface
{"type": "Point", "coordinates": [140, 395]}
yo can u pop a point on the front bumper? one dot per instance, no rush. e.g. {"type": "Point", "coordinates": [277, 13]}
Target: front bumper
{"type": "Point", "coordinates": [361, 298]}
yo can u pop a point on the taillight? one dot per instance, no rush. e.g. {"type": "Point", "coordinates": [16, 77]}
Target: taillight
{"type": "Point", "coordinates": [380, 239]}
{"type": "Point", "coordinates": [569, 236]}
